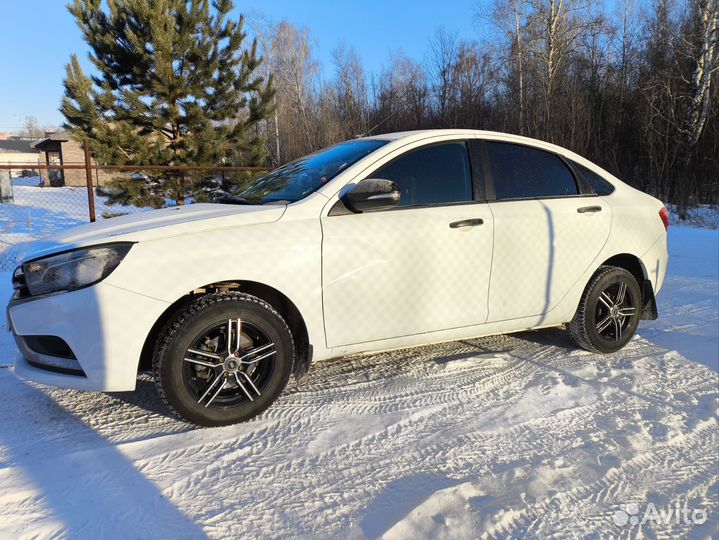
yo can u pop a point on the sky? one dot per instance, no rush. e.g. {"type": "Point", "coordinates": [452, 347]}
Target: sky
{"type": "Point", "coordinates": [38, 37]}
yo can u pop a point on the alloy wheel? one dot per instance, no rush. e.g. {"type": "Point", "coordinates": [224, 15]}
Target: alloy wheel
{"type": "Point", "coordinates": [614, 312]}
{"type": "Point", "coordinates": [229, 364]}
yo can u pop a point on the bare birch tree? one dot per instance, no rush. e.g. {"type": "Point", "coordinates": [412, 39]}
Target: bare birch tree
{"type": "Point", "coordinates": [706, 63]}
{"type": "Point", "coordinates": [633, 88]}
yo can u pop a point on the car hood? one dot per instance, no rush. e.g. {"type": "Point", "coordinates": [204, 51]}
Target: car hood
{"type": "Point", "coordinates": [153, 225]}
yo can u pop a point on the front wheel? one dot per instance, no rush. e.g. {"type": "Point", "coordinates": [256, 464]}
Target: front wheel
{"type": "Point", "coordinates": [608, 313]}
{"type": "Point", "coordinates": [224, 359]}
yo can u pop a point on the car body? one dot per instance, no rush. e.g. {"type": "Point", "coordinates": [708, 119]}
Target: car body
{"type": "Point", "coordinates": [471, 257]}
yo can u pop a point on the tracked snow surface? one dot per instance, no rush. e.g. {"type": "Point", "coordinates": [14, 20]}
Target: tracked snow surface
{"type": "Point", "coordinates": [519, 436]}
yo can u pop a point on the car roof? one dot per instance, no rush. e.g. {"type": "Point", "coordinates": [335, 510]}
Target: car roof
{"type": "Point", "coordinates": [420, 134]}
{"type": "Point", "coordinates": [402, 137]}
{"type": "Point", "coordinates": [408, 136]}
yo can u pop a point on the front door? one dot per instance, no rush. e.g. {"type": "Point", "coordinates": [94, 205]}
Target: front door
{"type": "Point", "coordinates": [421, 267]}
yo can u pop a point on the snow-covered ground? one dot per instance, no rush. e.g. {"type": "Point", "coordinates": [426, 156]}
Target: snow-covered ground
{"type": "Point", "coordinates": [39, 211]}
{"type": "Point", "coordinates": [702, 215]}
{"type": "Point", "coordinates": [519, 436]}
{"type": "Point", "coordinates": [689, 302]}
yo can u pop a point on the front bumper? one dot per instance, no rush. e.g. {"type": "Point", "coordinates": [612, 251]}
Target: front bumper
{"type": "Point", "coordinates": [104, 326]}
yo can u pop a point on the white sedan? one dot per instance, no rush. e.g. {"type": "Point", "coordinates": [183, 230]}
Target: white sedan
{"type": "Point", "coordinates": [372, 244]}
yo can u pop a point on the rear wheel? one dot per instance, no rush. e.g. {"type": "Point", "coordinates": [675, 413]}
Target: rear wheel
{"type": "Point", "coordinates": [224, 359]}
{"type": "Point", "coordinates": [608, 314]}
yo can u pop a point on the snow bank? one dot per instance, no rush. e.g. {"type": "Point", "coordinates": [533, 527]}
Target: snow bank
{"type": "Point", "coordinates": [703, 215]}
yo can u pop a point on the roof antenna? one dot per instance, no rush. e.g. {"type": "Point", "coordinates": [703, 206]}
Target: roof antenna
{"type": "Point", "coordinates": [369, 131]}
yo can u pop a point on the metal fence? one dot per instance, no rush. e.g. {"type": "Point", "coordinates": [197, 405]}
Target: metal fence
{"type": "Point", "coordinates": [33, 205]}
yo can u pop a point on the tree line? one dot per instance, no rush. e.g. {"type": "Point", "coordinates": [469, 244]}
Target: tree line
{"type": "Point", "coordinates": [632, 88]}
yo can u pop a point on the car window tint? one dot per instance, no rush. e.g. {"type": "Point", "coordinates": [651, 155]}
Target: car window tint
{"type": "Point", "coordinates": [521, 172]}
{"type": "Point", "coordinates": [600, 186]}
{"type": "Point", "coordinates": [436, 174]}
{"type": "Point", "coordinates": [297, 179]}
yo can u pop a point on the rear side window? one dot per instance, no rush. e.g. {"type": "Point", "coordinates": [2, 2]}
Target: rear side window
{"type": "Point", "coordinates": [522, 172]}
{"type": "Point", "coordinates": [436, 174]}
{"type": "Point", "coordinates": [600, 186]}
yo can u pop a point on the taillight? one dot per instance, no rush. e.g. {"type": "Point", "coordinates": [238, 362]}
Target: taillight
{"type": "Point", "coordinates": [664, 215]}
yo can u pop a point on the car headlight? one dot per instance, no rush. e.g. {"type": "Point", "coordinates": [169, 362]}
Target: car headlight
{"type": "Point", "coordinates": [73, 269]}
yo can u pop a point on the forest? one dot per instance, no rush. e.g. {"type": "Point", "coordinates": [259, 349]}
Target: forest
{"type": "Point", "coordinates": [632, 87]}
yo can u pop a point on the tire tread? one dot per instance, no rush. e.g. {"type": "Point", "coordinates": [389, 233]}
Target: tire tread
{"type": "Point", "coordinates": [172, 327]}
{"type": "Point", "coordinates": [578, 325]}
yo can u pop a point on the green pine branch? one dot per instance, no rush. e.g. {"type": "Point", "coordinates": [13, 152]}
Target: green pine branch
{"type": "Point", "coordinates": [174, 85]}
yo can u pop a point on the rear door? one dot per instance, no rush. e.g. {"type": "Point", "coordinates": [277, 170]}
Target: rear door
{"type": "Point", "coordinates": [548, 229]}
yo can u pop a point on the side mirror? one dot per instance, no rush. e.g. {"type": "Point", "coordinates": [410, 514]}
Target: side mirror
{"type": "Point", "coordinates": [372, 194]}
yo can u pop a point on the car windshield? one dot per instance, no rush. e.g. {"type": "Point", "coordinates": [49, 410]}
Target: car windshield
{"type": "Point", "coordinates": [297, 179]}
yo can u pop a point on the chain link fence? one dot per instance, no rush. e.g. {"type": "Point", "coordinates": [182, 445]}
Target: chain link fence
{"type": "Point", "coordinates": [34, 209]}
{"type": "Point", "coordinates": [34, 204]}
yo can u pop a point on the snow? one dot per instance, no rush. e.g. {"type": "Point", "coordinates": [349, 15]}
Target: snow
{"type": "Point", "coordinates": [702, 215]}
{"type": "Point", "coordinates": [689, 302]}
{"type": "Point", "coordinates": [7, 343]}
{"type": "Point", "coordinates": [40, 211]}
{"type": "Point", "coordinates": [519, 436]}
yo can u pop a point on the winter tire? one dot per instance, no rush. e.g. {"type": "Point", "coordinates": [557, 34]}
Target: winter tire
{"type": "Point", "coordinates": [223, 359]}
{"type": "Point", "coordinates": [608, 312]}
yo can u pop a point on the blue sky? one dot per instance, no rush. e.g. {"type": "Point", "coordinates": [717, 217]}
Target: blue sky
{"type": "Point", "coordinates": [38, 36]}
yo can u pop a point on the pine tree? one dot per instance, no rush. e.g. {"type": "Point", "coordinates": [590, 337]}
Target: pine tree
{"type": "Point", "coordinates": [174, 86]}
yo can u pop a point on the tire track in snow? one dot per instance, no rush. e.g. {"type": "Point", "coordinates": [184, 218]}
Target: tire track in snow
{"type": "Point", "coordinates": [625, 480]}
{"type": "Point", "coordinates": [368, 431]}
{"type": "Point", "coordinates": [284, 438]}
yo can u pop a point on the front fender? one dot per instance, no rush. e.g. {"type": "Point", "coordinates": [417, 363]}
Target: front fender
{"type": "Point", "coordinates": [285, 256]}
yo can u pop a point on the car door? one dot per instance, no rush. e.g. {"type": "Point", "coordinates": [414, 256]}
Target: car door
{"type": "Point", "coordinates": [420, 267]}
{"type": "Point", "coordinates": [548, 230]}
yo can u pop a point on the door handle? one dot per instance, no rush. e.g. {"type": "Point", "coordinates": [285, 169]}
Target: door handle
{"type": "Point", "coordinates": [466, 223]}
{"type": "Point", "coordinates": [588, 209]}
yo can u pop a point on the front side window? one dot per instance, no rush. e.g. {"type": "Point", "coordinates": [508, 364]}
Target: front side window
{"type": "Point", "coordinates": [436, 174]}
{"type": "Point", "coordinates": [522, 172]}
{"type": "Point", "coordinates": [299, 178]}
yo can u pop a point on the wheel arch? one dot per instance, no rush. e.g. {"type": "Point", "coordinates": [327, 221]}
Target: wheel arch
{"type": "Point", "coordinates": [630, 263]}
{"type": "Point", "coordinates": [633, 265]}
{"type": "Point", "coordinates": [274, 297]}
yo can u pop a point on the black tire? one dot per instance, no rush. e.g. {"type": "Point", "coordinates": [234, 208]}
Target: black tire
{"type": "Point", "coordinates": [598, 327]}
{"type": "Point", "coordinates": [188, 340]}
